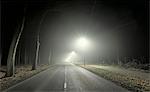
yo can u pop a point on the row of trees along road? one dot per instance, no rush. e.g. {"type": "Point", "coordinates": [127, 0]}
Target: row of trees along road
{"type": "Point", "coordinates": [12, 60]}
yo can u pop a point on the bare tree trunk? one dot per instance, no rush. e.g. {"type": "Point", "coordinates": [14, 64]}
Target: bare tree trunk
{"type": "Point", "coordinates": [0, 59]}
{"type": "Point", "coordinates": [12, 51]}
{"type": "Point", "coordinates": [118, 60]}
{"type": "Point", "coordinates": [34, 66]}
{"type": "Point", "coordinates": [25, 56]}
{"type": "Point", "coordinates": [19, 56]}
{"type": "Point", "coordinates": [50, 57]}
{"type": "Point", "coordinates": [0, 54]}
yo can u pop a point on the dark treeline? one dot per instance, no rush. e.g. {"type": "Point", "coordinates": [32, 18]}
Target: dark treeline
{"type": "Point", "coordinates": [13, 13]}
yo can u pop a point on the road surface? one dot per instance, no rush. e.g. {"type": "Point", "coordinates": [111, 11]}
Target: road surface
{"type": "Point", "coordinates": [66, 78]}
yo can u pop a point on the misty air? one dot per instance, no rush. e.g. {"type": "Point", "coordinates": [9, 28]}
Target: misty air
{"type": "Point", "coordinates": [74, 46]}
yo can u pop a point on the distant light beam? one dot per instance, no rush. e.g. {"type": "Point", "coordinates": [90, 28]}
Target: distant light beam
{"type": "Point", "coordinates": [70, 57]}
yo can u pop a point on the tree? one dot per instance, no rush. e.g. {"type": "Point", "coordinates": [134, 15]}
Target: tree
{"type": "Point", "coordinates": [50, 57]}
{"type": "Point", "coordinates": [38, 36]}
{"type": "Point", "coordinates": [13, 48]}
{"type": "Point", "coordinates": [34, 66]}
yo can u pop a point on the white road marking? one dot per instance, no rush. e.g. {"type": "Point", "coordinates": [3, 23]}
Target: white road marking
{"type": "Point", "coordinates": [65, 83]}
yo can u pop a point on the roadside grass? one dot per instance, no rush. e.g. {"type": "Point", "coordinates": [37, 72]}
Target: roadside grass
{"type": "Point", "coordinates": [22, 73]}
{"type": "Point", "coordinates": [130, 82]}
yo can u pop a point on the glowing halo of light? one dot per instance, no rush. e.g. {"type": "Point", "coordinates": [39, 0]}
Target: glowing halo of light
{"type": "Point", "coordinates": [82, 43]}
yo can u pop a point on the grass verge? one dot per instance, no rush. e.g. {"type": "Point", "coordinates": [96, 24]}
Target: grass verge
{"type": "Point", "coordinates": [129, 82]}
{"type": "Point", "coordinates": [22, 73]}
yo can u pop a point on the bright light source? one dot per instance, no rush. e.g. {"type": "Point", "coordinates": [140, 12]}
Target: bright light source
{"type": "Point", "coordinates": [68, 59]}
{"type": "Point", "coordinates": [82, 43]}
{"type": "Point", "coordinates": [72, 53]}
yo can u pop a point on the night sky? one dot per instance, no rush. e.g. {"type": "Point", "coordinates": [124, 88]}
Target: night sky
{"type": "Point", "coordinates": [106, 22]}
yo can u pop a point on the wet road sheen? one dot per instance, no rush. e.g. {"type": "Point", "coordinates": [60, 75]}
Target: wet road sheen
{"type": "Point", "coordinates": [66, 78]}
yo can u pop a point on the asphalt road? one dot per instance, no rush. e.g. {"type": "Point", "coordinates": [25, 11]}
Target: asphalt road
{"type": "Point", "coordinates": [66, 78]}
